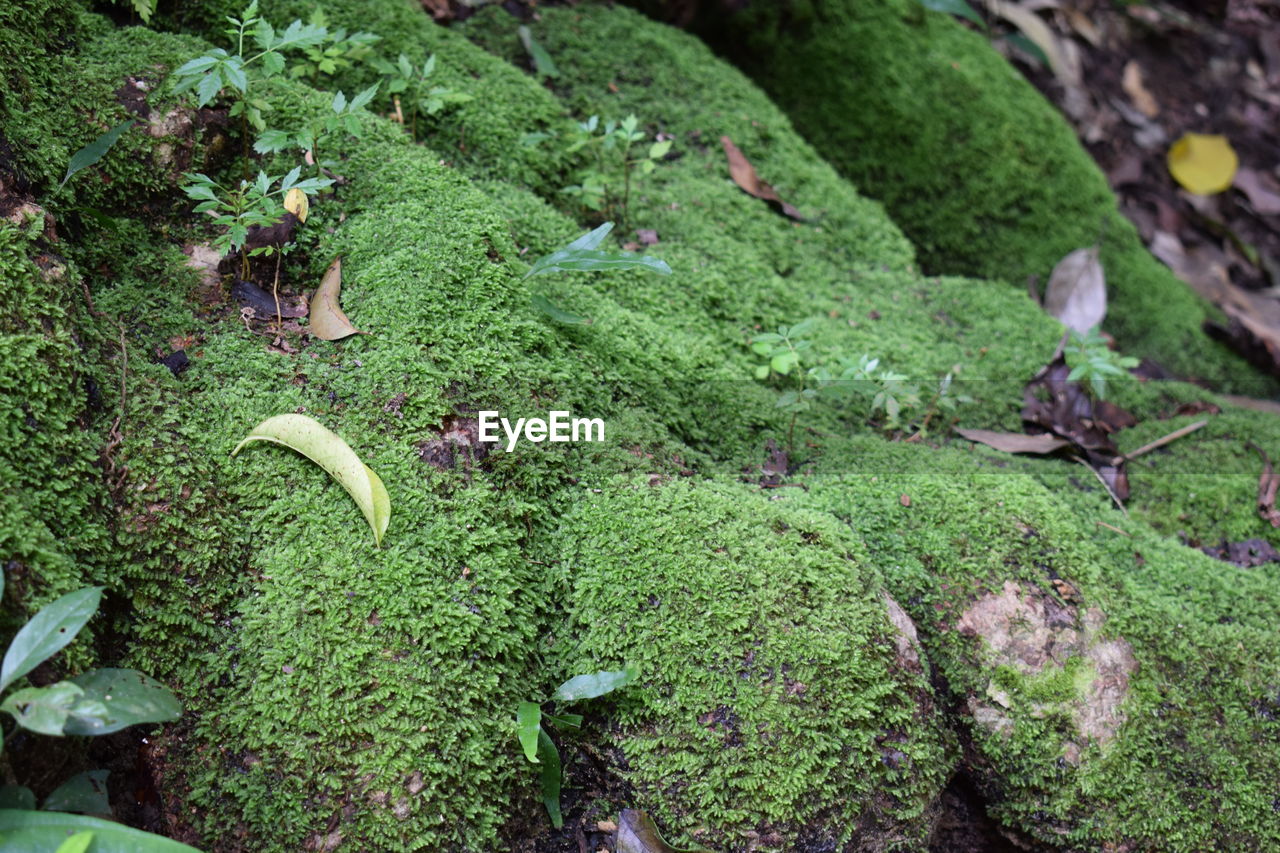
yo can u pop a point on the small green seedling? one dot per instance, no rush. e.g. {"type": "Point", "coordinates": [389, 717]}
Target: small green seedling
{"type": "Point", "coordinates": [252, 203]}
{"type": "Point", "coordinates": [543, 64]}
{"type": "Point", "coordinates": [784, 354]}
{"type": "Point", "coordinates": [320, 134]}
{"type": "Point", "coordinates": [538, 746]}
{"type": "Point", "coordinates": [1091, 359]}
{"type": "Point", "coordinates": [337, 52]}
{"type": "Point", "coordinates": [411, 92]}
{"type": "Point", "coordinates": [604, 184]}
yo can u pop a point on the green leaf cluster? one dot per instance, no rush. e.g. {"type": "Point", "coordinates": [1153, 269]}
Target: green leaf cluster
{"type": "Point", "coordinates": [252, 203]}
{"type": "Point", "coordinates": [1090, 358]}
{"type": "Point", "coordinates": [318, 135]}
{"type": "Point", "coordinates": [538, 746]}
{"type": "Point", "coordinates": [409, 85]}
{"type": "Point", "coordinates": [338, 51]}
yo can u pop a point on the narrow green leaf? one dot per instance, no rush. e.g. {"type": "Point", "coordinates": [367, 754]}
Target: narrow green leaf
{"type": "Point", "coordinates": [127, 696]}
{"type": "Point", "coordinates": [573, 721]}
{"type": "Point", "coordinates": [84, 792]}
{"type": "Point", "coordinates": [542, 61]}
{"type": "Point", "coordinates": [529, 727]}
{"type": "Point", "coordinates": [549, 757]}
{"type": "Point", "coordinates": [94, 151]}
{"type": "Point", "coordinates": [364, 97]}
{"type": "Point", "coordinates": [582, 255]}
{"type": "Point", "coordinates": [326, 449]}
{"type": "Point", "coordinates": [43, 709]}
{"type": "Point", "coordinates": [197, 65]}
{"type": "Point", "coordinates": [959, 8]}
{"type": "Point", "coordinates": [48, 632]}
{"type": "Point", "coordinates": [555, 312]}
{"type": "Point", "coordinates": [24, 829]}
{"type": "Point", "coordinates": [1026, 45]}
{"type": "Point", "coordinates": [16, 797]}
{"type": "Point", "coordinates": [595, 684]}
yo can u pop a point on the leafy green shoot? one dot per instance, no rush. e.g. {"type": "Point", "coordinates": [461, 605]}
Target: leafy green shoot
{"type": "Point", "coordinates": [584, 255]}
{"type": "Point", "coordinates": [1090, 358]}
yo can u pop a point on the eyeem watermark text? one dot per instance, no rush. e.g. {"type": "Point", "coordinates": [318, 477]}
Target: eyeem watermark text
{"type": "Point", "coordinates": [558, 426]}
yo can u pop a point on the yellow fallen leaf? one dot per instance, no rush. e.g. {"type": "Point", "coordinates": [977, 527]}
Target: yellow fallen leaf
{"type": "Point", "coordinates": [1203, 164]}
{"type": "Point", "coordinates": [327, 321]}
{"type": "Point", "coordinates": [326, 449]}
{"type": "Point", "coordinates": [295, 201]}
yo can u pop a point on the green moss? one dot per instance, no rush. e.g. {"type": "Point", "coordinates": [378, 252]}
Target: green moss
{"type": "Point", "coordinates": [983, 174]}
{"type": "Point", "coordinates": [335, 688]}
{"type": "Point", "coordinates": [1192, 761]}
{"type": "Point", "coordinates": [771, 694]}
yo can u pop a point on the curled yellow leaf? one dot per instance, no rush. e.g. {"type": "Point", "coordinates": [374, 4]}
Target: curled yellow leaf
{"type": "Point", "coordinates": [1203, 164]}
{"type": "Point", "coordinates": [327, 321]}
{"type": "Point", "coordinates": [326, 449]}
{"type": "Point", "coordinates": [295, 201]}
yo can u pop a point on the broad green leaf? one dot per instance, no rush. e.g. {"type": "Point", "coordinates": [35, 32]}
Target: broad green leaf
{"type": "Point", "coordinates": [549, 757]}
{"type": "Point", "coordinates": [528, 727]}
{"type": "Point", "coordinates": [16, 797]}
{"type": "Point", "coordinates": [326, 449]}
{"type": "Point", "coordinates": [555, 312]}
{"type": "Point", "coordinates": [542, 61]}
{"type": "Point", "coordinates": [48, 632]}
{"type": "Point", "coordinates": [208, 88]}
{"type": "Point", "coordinates": [43, 709]}
{"type": "Point", "coordinates": [595, 684]}
{"type": "Point", "coordinates": [84, 792]}
{"type": "Point", "coordinates": [959, 8]}
{"type": "Point", "coordinates": [94, 151]}
{"type": "Point", "coordinates": [582, 256]}
{"type": "Point", "coordinates": [1026, 45]}
{"type": "Point", "coordinates": [24, 829]}
{"type": "Point", "coordinates": [364, 97]}
{"type": "Point", "coordinates": [270, 141]}
{"type": "Point", "coordinates": [197, 65]}
{"type": "Point", "coordinates": [658, 150]}
{"type": "Point", "coordinates": [128, 697]}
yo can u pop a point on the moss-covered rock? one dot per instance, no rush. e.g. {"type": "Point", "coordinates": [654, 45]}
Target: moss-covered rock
{"type": "Point", "coordinates": [345, 697]}
{"type": "Point", "coordinates": [979, 170]}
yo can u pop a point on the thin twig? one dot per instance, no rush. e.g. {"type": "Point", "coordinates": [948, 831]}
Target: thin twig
{"type": "Point", "coordinates": [1161, 442]}
{"type": "Point", "coordinates": [1112, 527]}
{"type": "Point", "coordinates": [1114, 497]}
{"type": "Point", "coordinates": [275, 294]}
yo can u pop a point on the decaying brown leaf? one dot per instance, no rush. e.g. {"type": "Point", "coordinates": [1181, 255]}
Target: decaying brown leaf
{"type": "Point", "coordinates": [1012, 442]}
{"type": "Point", "coordinates": [327, 320]}
{"type": "Point", "coordinates": [1262, 191]}
{"type": "Point", "coordinates": [1268, 484]}
{"type": "Point", "coordinates": [637, 833]}
{"type": "Point", "coordinates": [1077, 291]}
{"type": "Point", "coordinates": [1136, 89]}
{"type": "Point", "coordinates": [744, 175]}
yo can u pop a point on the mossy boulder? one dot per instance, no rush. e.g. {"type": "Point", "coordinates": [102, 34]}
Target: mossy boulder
{"type": "Point", "coordinates": [980, 171]}
{"type": "Point", "coordinates": [819, 642]}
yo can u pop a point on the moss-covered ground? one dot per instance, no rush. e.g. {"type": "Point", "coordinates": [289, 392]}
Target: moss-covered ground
{"type": "Point", "coordinates": [345, 697]}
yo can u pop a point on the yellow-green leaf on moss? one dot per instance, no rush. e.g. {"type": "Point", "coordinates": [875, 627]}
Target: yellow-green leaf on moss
{"type": "Point", "coordinates": [326, 449]}
{"type": "Point", "coordinates": [1203, 164]}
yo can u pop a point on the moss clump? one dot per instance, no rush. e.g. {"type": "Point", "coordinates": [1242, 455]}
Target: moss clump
{"type": "Point", "coordinates": [976, 167]}
{"type": "Point", "coordinates": [1075, 743]}
{"type": "Point", "coordinates": [772, 695]}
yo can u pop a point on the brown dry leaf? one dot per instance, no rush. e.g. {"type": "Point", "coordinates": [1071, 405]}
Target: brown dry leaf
{"type": "Point", "coordinates": [1066, 68]}
{"type": "Point", "coordinates": [1268, 484]}
{"type": "Point", "coordinates": [1013, 442]}
{"type": "Point", "coordinates": [1137, 91]}
{"type": "Point", "coordinates": [744, 175]}
{"type": "Point", "coordinates": [637, 833]}
{"type": "Point", "coordinates": [1077, 291]}
{"type": "Point", "coordinates": [1262, 191]}
{"type": "Point", "coordinates": [327, 320]}
{"type": "Point", "coordinates": [1083, 26]}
